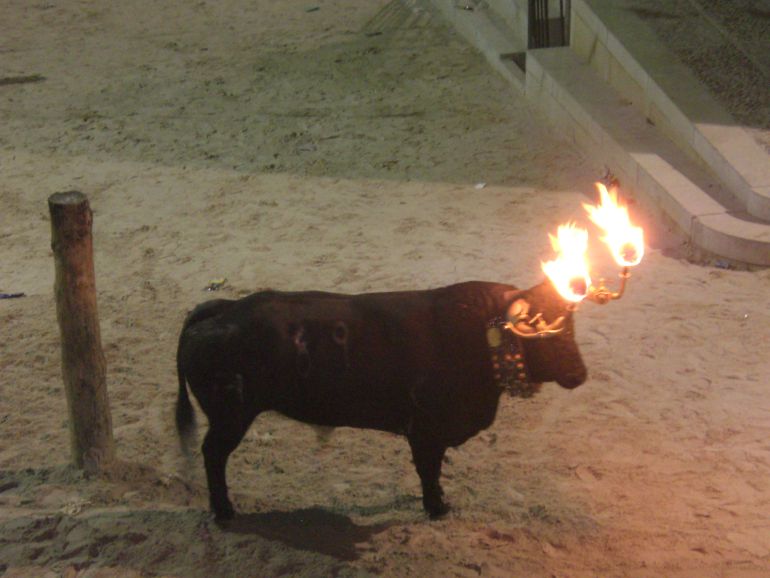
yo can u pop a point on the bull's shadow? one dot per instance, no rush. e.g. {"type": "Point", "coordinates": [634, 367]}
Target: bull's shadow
{"type": "Point", "coordinates": [312, 529]}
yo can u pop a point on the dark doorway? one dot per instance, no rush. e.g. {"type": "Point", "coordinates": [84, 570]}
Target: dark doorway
{"type": "Point", "coordinates": [548, 23]}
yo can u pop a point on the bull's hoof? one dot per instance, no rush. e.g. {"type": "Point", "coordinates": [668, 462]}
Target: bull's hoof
{"type": "Point", "coordinates": [438, 510]}
{"type": "Point", "coordinates": [224, 512]}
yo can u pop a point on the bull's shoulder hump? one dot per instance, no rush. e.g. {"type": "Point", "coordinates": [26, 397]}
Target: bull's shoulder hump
{"type": "Point", "coordinates": [479, 295]}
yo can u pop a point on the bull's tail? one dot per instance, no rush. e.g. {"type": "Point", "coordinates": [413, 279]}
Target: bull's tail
{"type": "Point", "coordinates": [185, 414]}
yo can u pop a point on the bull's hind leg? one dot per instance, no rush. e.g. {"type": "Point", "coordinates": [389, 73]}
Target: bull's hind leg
{"type": "Point", "coordinates": [428, 455]}
{"type": "Point", "coordinates": [231, 410]}
{"type": "Point", "coordinates": [218, 444]}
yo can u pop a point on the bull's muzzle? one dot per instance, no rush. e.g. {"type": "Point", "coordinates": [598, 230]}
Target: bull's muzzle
{"type": "Point", "coordinates": [572, 380]}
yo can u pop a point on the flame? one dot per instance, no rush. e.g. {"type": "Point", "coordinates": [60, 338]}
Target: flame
{"type": "Point", "coordinates": [625, 241]}
{"type": "Point", "coordinates": [569, 270]}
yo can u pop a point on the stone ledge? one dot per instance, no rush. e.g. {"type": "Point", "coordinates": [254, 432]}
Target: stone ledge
{"type": "Point", "coordinates": [733, 237]}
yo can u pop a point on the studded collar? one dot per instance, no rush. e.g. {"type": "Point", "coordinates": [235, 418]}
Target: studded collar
{"type": "Point", "coordinates": [509, 366]}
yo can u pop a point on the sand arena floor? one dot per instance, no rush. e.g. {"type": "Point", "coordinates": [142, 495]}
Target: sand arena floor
{"type": "Point", "coordinates": [340, 149]}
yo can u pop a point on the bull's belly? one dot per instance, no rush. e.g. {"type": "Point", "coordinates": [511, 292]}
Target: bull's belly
{"type": "Point", "coordinates": [343, 407]}
{"type": "Point", "coordinates": [388, 423]}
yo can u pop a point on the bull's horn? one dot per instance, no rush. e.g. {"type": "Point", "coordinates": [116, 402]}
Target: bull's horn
{"type": "Point", "coordinates": [522, 329]}
{"type": "Point", "coordinates": [537, 327]}
{"type": "Point", "coordinates": [553, 328]}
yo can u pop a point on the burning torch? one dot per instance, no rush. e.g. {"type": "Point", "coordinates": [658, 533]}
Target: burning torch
{"type": "Point", "coordinates": [624, 240]}
{"type": "Point", "coordinates": [569, 271]}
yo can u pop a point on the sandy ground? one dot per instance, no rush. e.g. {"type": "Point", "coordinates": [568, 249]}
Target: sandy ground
{"type": "Point", "coordinates": [340, 149]}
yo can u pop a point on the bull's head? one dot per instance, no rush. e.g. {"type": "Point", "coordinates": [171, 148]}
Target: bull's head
{"type": "Point", "coordinates": [544, 322]}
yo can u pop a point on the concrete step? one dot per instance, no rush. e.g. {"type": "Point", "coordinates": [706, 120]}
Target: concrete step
{"type": "Point", "coordinates": [616, 133]}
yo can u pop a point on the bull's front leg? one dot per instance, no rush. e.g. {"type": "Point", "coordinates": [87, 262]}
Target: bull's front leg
{"type": "Point", "coordinates": [428, 455]}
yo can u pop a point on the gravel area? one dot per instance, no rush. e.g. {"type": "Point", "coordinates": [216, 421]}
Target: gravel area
{"type": "Point", "coordinates": [726, 43]}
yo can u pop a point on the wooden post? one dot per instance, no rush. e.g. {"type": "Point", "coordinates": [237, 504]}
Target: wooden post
{"type": "Point", "coordinates": [83, 366]}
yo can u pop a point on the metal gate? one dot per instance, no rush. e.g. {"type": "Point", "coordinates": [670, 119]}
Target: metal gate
{"type": "Point", "coordinates": [545, 31]}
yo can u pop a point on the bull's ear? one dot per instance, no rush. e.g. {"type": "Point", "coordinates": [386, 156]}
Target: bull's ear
{"type": "Point", "coordinates": [511, 295]}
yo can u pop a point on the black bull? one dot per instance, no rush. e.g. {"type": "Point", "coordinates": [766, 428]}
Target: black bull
{"type": "Point", "coordinates": [416, 363]}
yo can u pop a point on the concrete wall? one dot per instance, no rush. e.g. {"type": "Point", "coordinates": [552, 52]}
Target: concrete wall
{"type": "Point", "coordinates": [513, 13]}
